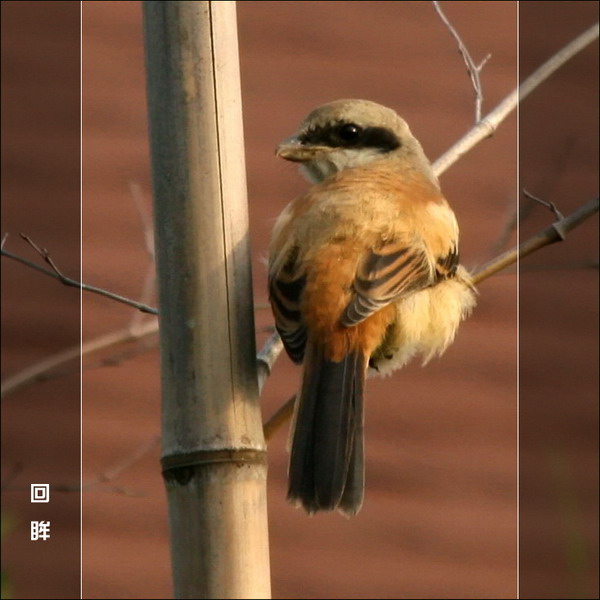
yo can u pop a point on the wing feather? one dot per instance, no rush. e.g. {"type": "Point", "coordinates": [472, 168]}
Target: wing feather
{"type": "Point", "coordinates": [285, 292]}
{"type": "Point", "coordinates": [385, 274]}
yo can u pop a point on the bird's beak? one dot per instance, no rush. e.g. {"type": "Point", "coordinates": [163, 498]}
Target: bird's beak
{"type": "Point", "coordinates": [294, 150]}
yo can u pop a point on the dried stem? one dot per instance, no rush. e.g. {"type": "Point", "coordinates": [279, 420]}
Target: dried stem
{"type": "Point", "coordinates": [510, 225]}
{"type": "Point", "coordinates": [277, 420]}
{"type": "Point", "coordinates": [135, 332]}
{"type": "Point", "coordinates": [555, 233]}
{"type": "Point", "coordinates": [518, 216]}
{"type": "Point", "coordinates": [106, 476]}
{"type": "Point", "coordinates": [149, 285]}
{"type": "Point", "coordinates": [472, 69]}
{"type": "Point", "coordinates": [488, 125]}
{"type": "Point", "coordinates": [119, 467]}
{"type": "Point", "coordinates": [266, 358]}
{"type": "Point", "coordinates": [135, 189]}
{"type": "Point", "coordinates": [40, 370]}
{"type": "Point", "coordinates": [112, 472]}
{"type": "Point", "coordinates": [55, 272]}
{"type": "Point", "coordinates": [545, 203]}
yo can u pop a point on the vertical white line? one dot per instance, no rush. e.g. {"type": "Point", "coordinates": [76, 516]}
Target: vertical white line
{"type": "Point", "coordinates": [80, 299]}
{"type": "Point", "coordinates": [518, 291]}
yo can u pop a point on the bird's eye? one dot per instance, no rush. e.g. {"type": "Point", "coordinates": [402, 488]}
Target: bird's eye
{"type": "Point", "coordinates": [349, 132]}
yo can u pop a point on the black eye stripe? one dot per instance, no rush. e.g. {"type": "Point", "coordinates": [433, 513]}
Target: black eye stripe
{"type": "Point", "coordinates": [337, 135]}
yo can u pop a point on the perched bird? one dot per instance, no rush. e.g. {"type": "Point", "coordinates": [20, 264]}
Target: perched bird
{"type": "Point", "coordinates": [363, 273]}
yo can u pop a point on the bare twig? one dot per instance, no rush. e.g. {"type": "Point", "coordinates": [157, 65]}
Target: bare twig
{"type": "Point", "coordinates": [113, 472]}
{"type": "Point", "coordinates": [545, 203]}
{"type": "Point", "coordinates": [43, 368]}
{"type": "Point", "coordinates": [472, 69]}
{"type": "Point", "coordinates": [107, 476]}
{"type": "Point", "coordinates": [118, 358]}
{"type": "Point", "coordinates": [135, 190]}
{"type": "Point", "coordinates": [510, 225]}
{"type": "Point", "coordinates": [148, 289]}
{"type": "Point", "coordinates": [279, 418]}
{"type": "Point", "coordinates": [518, 216]}
{"type": "Point", "coordinates": [56, 273]}
{"type": "Point", "coordinates": [555, 233]}
{"type": "Point", "coordinates": [488, 125]}
{"type": "Point", "coordinates": [149, 284]}
{"type": "Point", "coordinates": [266, 358]}
{"type": "Point", "coordinates": [119, 467]}
{"type": "Point", "coordinates": [43, 252]}
{"type": "Point", "coordinates": [136, 332]}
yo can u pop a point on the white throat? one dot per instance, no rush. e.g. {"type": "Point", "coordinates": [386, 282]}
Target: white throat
{"type": "Point", "coordinates": [330, 163]}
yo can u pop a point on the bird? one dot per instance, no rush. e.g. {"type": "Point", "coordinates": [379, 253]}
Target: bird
{"type": "Point", "coordinates": [363, 275]}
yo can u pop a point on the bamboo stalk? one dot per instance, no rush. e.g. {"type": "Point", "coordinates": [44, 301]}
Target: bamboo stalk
{"type": "Point", "coordinates": [213, 452]}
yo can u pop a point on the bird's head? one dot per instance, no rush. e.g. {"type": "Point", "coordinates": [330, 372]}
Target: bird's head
{"type": "Point", "coordinates": [352, 133]}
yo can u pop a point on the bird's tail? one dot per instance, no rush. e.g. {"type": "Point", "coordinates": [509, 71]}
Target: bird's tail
{"type": "Point", "coordinates": [327, 458]}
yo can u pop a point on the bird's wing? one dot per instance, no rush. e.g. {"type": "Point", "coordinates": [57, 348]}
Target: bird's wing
{"type": "Point", "coordinates": [285, 290]}
{"type": "Point", "coordinates": [386, 273]}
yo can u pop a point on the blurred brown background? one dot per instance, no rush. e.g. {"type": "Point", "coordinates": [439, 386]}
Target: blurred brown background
{"type": "Point", "coordinates": [40, 318]}
{"type": "Point", "coordinates": [440, 517]}
{"type": "Point", "coordinates": [558, 332]}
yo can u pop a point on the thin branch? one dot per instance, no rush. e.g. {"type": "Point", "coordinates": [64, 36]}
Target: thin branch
{"type": "Point", "coordinates": [488, 125]}
{"type": "Point", "coordinates": [56, 273]}
{"type": "Point", "coordinates": [135, 189]}
{"type": "Point", "coordinates": [118, 358]}
{"type": "Point", "coordinates": [266, 358]}
{"type": "Point", "coordinates": [148, 289]}
{"type": "Point", "coordinates": [472, 69]}
{"type": "Point", "coordinates": [279, 418]}
{"type": "Point", "coordinates": [519, 216]}
{"type": "Point", "coordinates": [545, 203]}
{"type": "Point", "coordinates": [40, 371]}
{"type": "Point", "coordinates": [106, 476]}
{"type": "Point", "coordinates": [510, 225]}
{"type": "Point", "coordinates": [119, 467]}
{"type": "Point", "coordinates": [51, 367]}
{"type": "Point", "coordinates": [113, 472]}
{"type": "Point", "coordinates": [555, 233]}
{"type": "Point", "coordinates": [149, 285]}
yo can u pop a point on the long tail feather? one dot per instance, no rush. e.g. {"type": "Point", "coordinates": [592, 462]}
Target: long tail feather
{"type": "Point", "coordinates": [327, 457]}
